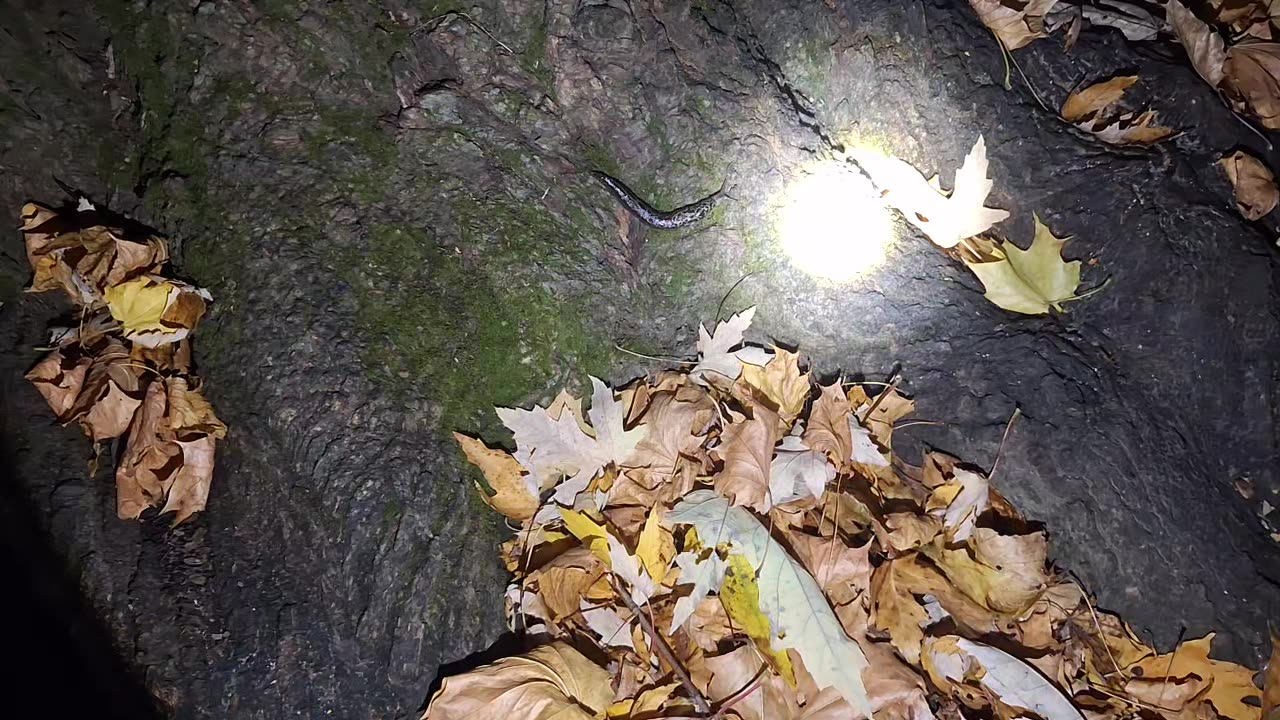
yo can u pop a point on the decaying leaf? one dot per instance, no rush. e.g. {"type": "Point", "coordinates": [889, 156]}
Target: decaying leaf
{"type": "Point", "coordinates": [1093, 109]}
{"type": "Point", "coordinates": [551, 682]}
{"type": "Point", "coordinates": [955, 661]}
{"type": "Point", "coordinates": [1015, 22]}
{"type": "Point", "coordinates": [1255, 185]}
{"type": "Point", "coordinates": [797, 472]}
{"type": "Point", "coordinates": [747, 451]}
{"type": "Point", "coordinates": [794, 604]}
{"type": "Point", "coordinates": [1030, 281]}
{"type": "Point", "coordinates": [945, 220]}
{"type": "Point", "coordinates": [1251, 77]}
{"type": "Point", "coordinates": [1204, 47]}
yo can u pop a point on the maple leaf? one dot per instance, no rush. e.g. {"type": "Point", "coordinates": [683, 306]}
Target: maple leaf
{"type": "Point", "coordinates": [747, 450]}
{"type": "Point", "coordinates": [705, 572]}
{"type": "Point", "coordinates": [608, 625]}
{"type": "Point", "coordinates": [779, 383]}
{"type": "Point", "coordinates": [1231, 690]}
{"type": "Point", "coordinates": [551, 682]}
{"type": "Point", "coordinates": [550, 446]}
{"type": "Point", "coordinates": [1255, 185]}
{"type": "Point", "coordinates": [1015, 22]}
{"type": "Point", "coordinates": [828, 430]}
{"type": "Point", "coordinates": [945, 220]}
{"type": "Point", "coordinates": [841, 571]}
{"type": "Point", "coordinates": [960, 501]}
{"type": "Point", "coordinates": [1003, 572]}
{"type": "Point", "coordinates": [59, 377]}
{"type": "Point", "coordinates": [1033, 280]}
{"type": "Point", "coordinates": [188, 492]}
{"type": "Point", "coordinates": [797, 472]}
{"type": "Point", "coordinates": [716, 355]}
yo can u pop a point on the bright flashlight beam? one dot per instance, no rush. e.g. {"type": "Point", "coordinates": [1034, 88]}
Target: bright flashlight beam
{"type": "Point", "coordinates": [833, 224]}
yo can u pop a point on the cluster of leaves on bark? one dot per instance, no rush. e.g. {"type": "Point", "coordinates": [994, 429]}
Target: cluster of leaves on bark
{"type": "Point", "coordinates": [737, 540]}
{"type": "Point", "coordinates": [124, 368]}
{"type": "Point", "coordinates": [1230, 43]}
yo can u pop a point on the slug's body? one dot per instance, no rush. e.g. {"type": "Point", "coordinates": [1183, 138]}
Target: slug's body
{"type": "Point", "coordinates": [683, 216]}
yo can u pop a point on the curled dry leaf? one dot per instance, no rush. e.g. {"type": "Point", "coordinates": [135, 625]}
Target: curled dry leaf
{"type": "Point", "coordinates": [1252, 79]}
{"type": "Point", "coordinates": [953, 661]}
{"type": "Point", "coordinates": [1092, 109]}
{"type": "Point", "coordinates": [1015, 22]}
{"type": "Point", "coordinates": [552, 682]}
{"type": "Point", "coordinates": [511, 496]}
{"type": "Point", "coordinates": [1255, 186]}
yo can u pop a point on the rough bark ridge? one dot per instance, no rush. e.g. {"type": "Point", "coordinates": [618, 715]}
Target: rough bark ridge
{"type": "Point", "coordinates": [390, 203]}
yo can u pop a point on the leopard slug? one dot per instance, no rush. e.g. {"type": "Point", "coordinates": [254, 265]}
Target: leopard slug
{"type": "Point", "coordinates": [683, 216]}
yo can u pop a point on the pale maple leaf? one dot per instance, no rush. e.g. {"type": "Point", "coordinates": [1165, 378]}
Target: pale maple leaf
{"type": "Point", "coordinates": [550, 447]}
{"type": "Point", "coordinates": [945, 220]}
{"type": "Point", "coordinates": [716, 355]}
{"type": "Point", "coordinates": [608, 625]}
{"type": "Point", "coordinates": [864, 449]}
{"type": "Point", "coordinates": [797, 471]}
{"type": "Point", "coordinates": [705, 574]}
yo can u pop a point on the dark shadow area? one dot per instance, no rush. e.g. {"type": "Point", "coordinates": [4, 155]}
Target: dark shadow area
{"type": "Point", "coordinates": [57, 649]}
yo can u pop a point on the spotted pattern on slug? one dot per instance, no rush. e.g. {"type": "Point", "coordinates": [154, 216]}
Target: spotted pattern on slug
{"type": "Point", "coordinates": [683, 216]}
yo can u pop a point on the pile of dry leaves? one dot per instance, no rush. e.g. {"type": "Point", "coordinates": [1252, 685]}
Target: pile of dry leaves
{"type": "Point", "coordinates": [735, 540]}
{"type": "Point", "coordinates": [126, 366]}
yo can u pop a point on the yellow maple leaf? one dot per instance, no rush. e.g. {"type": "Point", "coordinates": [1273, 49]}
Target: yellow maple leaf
{"type": "Point", "coordinates": [1033, 280]}
{"type": "Point", "coordinates": [780, 383]}
{"type": "Point", "coordinates": [138, 304]}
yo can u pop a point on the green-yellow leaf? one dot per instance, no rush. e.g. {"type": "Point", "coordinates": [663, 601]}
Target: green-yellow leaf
{"type": "Point", "coordinates": [595, 537]}
{"type": "Point", "coordinates": [741, 597]}
{"type": "Point", "coordinates": [1033, 280]}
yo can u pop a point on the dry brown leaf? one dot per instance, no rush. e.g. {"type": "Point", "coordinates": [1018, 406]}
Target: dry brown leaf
{"type": "Point", "coordinates": [908, 531]}
{"type": "Point", "coordinates": [189, 411]}
{"type": "Point", "coordinates": [1092, 100]}
{"type": "Point", "coordinates": [1255, 186]}
{"type": "Point", "coordinates": [779, 385]}
{"type": "Point", "coordinates": [674, 427]}
{"type": "Point", "coordinates": [552, 682]}
{"type": "Point", "coordinates": [1093, 109]}
{"type": "Point", "coordinates": [188, 489]}
{"type": "Point", "coordinates": [828, 428]}
{"type": "Point", "coordinates": [1204, 47]}
{"type": "Point", "coordinates": [506, 477]}
{"type": "Point", "coordinates": [1004, 573]}
{"type": "Point", "coordinates": [1252, 79]}
{"type": "Point", "coordinates": [110, 416]}
{"type": "Point", "coordinates": [772, 699]}
{"type": "Point", "coordinates": [841, 571]}
{"type": "Point", "coordinates": [1015, 22]}
{"type": "Point", "coordinates": [42, 263]}
{"type": "Point", "coordinates": [895, 610]}
{"type": "Point", "coordinates": [59, 377]}
{"type": "Point", "coordinates": [149, 461]}
{"type": "Point", "coordinates": [747, 450]}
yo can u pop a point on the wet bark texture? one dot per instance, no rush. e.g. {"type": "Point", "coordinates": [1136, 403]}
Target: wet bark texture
{"type": "Point", "coordinates": [390, 203]}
